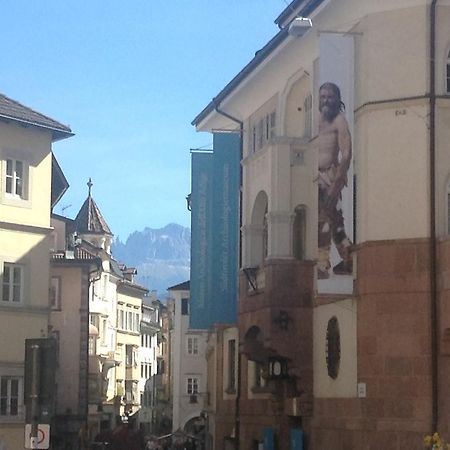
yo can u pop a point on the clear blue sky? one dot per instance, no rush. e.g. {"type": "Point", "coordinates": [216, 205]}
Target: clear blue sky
{"type": "Point", "coordinates": [128, 77]}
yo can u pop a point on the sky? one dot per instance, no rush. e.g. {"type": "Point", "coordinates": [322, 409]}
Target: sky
{"type": "Point", "coordinates": [128, 77]}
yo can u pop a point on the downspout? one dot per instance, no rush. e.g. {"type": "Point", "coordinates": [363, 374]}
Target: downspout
{"type": "Point", "coordinates": [238, 387]}
{"type": "Point", "coordinates": [433, 240]}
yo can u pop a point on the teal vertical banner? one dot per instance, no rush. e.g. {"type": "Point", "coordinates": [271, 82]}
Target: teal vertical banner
{"type": "Point", "coordinates": [226, 166]}
{"type": "Point", "coordinates": [201, 236]}
{"type": "Point", "coordinates": [269, 439]}
{"type": "Point", "coordinates": [296, 439]}
{"type": "Point", "coordinates": [215, 232]}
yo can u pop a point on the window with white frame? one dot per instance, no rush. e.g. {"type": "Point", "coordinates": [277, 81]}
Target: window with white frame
{"type": "Point", "coordinates": [192, 345]}
{"type": "Point", "coordinates": [11, 404]}
{"type": "Point", "coordinates": [12, 283]}
{"type": "Point", "coordinates": [15, 178]}
{"type": "Point", "coordinates": [192, 386]}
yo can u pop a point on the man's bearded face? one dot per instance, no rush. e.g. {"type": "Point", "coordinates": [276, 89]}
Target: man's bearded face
{"type": "Point", "coordinates": [328, 104]}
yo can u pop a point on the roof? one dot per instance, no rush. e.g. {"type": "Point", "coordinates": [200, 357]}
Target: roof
{"type": "Point", "coordinates": [15, 111]}
{"type": "Point", "coordinates": [260, 56]}
{"type": "Point", "coordinates": [185, 286]}
{"type": "Point", "coordinates": [90, 220]}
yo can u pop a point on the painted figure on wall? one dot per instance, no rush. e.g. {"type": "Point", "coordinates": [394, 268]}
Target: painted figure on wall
{"type": "Point", "coordinates": [335, 154]}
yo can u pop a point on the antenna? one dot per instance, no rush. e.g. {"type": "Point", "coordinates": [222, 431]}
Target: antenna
{"type": "Point", "coordinates": [63, 208]}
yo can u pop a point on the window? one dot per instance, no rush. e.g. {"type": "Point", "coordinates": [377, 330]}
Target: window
{"type": "Point", "coordinates": [232, 364]}
{"type": "Point", "coordinates": [265, 236]}
{"type": "Point", "coordinates": [262, 131]}
{"type": "Point", "coordinates": [10, 396]}
{"type": "Point", "coordinates": [258, 381]}
{"type": "Point", "coordinates": [15, 184]}
{"type": "Point", "coordinates": [146, 370]}
{"type": "Point", "coordinates": [104, 331]}
{"type": "Point", "coordinates": [161, 366]}
{"type": "Point", "coordinates": [448, 208]}
{"type": "Point", "coordinates": [184, 306]}
{"type": "Point", "coordinates": [299, 233]}
{"type": "Point", "coordinates": [192, 346]}
{"type": "Point", "coordinates": [333, 348]}
{"type": "Point", "coordinates": [192, 386]}
{"type": "Point", "coordinates": [12, 283]}
{"type": "Point", "coordinates": [94, 319]}
{"type": "Point", "coordinates": [55, 293]}
{"type": "Point", "coordinates": [307, 107]}
{"type": "Point", "coordinates": [129, 355]}
{"type": "Point", "coordinates": [92, 347]}
{"type": "Point", "coordinates": [447, 75]}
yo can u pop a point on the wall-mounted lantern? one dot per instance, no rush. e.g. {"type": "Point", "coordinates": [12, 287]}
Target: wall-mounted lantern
{"type": "Point", "coordinates": [277, 368]}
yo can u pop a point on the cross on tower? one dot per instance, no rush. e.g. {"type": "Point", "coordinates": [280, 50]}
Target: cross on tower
{"type": "Point", "coordinates": [90, 184]}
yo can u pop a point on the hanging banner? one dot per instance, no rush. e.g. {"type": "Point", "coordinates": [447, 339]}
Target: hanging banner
{"type": "Point", "coordinates": [201, 236]}
{"type": "Point", "coordinates": [225, 226]}
{"type": "Point", "coordinates": [214, 260]}
{"type": "Point", "coordinates": [335, 164]}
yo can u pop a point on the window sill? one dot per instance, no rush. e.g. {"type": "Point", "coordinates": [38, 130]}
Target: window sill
{"type": "Point", "coordinates": [13, 200]}
{"type": "Point", "coordinates": [12, 419]}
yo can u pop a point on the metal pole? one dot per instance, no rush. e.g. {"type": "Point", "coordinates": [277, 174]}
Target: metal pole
{"type": "Point", "coordinates": [35, 381]}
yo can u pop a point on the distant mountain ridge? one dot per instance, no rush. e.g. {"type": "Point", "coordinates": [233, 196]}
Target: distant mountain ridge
{"type": "Point", "coordinates": [161, 256]}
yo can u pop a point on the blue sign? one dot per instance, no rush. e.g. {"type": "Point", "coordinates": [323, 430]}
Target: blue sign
{"type": "Point", "coordinates": [215, 232]}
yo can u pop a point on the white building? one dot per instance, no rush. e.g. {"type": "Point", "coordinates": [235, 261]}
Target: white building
{"type": "Point", "coordinates": [188, 364]}
{"type": "Point", "coordinates": [149, 352]}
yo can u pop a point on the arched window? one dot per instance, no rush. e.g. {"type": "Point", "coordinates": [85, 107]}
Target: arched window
{"type": "Point", "coordinates": [258, 236]}
{"type": "Point", "coordinates": [265, 242]}
{"type": "Point", "coordinates": [333, 348]}
{"type": "Point", "coordinates": [447, 74]}
{"type": "Point", "coordinates": [299, 233]}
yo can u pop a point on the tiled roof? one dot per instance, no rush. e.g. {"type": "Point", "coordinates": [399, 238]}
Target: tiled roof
{"type": "Point", "coordinates": [15, 111]}
{"type": "Point", "coordinates": [185, 286]}
{"type": "Point", "coordinates": [90, 220]}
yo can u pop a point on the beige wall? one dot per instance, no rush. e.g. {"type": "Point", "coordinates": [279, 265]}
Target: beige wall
{"type": "Point", "coordinates": [67, 321]}
{"type": "Point", "coordinates": [33, 147]}
{"type": "Point", "coordinates": [24, 230]}
{"type": "Point", "coordinates": [28, 319]}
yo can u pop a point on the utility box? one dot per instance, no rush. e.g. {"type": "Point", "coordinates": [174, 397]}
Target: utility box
{"type": "Point", "coordinates": [43, 375]}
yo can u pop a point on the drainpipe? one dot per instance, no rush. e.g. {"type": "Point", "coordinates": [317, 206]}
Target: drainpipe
{"type": "Point", "coordinates": [433, 241]}
{"type": "Point", "coordinates": [238, 387]}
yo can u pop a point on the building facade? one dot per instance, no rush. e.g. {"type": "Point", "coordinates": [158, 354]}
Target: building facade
{"type": "Point", "coordinates": [95, 303]}
{"type": "Point", "coordinates": [188, 365]}
{"type": "Point", "coordinates": [343, 307]}
{"type": "Point", "coordinates": [31, 183]}
{"type": "Point", "coordinates": [222, 386]}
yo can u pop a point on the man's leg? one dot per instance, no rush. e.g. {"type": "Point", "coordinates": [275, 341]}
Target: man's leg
{"type": "Point", "coordinates": [324, 239]}
{"type": "Point", "coordinates": [342, 243]}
